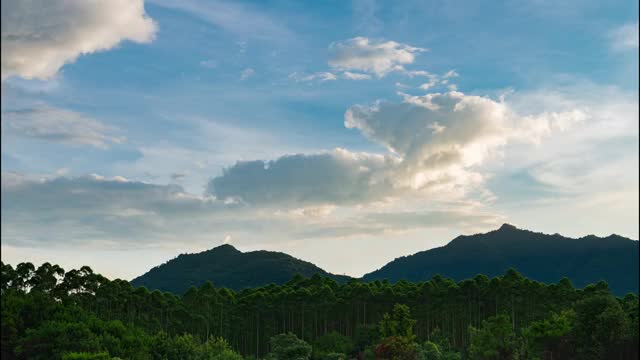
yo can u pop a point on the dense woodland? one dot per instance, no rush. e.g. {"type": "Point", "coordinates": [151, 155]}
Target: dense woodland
{"type": "Point", "coordinates": [48, 313]}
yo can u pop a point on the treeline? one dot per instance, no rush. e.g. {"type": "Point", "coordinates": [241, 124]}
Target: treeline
{"type": "Point", "coordinates": [48, 313]}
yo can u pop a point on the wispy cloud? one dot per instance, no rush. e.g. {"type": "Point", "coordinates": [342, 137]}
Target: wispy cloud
{"type": "Point", "coordinates": [355, 76]}
{"type": "Point", "coordinates": [59, 125]}
{"type": "Point", "coordinates": [625, 37]}
{"type": "Point", "coordinates": [320, 76]}
{"type": "Point", "coordinates": [239, 19]}
{"type": "Point", "coordinates": [246, 73]}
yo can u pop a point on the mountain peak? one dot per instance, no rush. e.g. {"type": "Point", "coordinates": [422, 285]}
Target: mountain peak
{"type": "Point", "coordinates": [226, 266]}
{"type": "Point", "coordinates": [545, 258]}
{"type": "Point", "coordinates": [507, 226]}
{"type": "Point", "coordinates": [225, 248]}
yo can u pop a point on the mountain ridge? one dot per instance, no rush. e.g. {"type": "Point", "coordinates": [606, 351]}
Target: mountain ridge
{"type": "Point", "coordinates": [583, 260]}
{"type": "Point", "coordinates": [227, 266]}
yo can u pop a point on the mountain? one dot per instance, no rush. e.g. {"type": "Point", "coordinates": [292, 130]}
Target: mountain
{"type": "Point", "coordinates": [226, 266]}
{"type": "Point", "coordinates": [546, 258]}
{"type": "Point", "coordinates": [542, 257]}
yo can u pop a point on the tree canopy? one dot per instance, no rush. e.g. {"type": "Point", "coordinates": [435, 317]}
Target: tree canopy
{"type": "Point", "coordinates": [50, 313]}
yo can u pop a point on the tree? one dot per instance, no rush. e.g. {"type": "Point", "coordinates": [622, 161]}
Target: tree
{"type": "Point", "coordinates": [218, 349]}
{"type": "Point", "coordinates": [86, 356]}
{"type": "Point", "coordinates": [494, 340]}
{"type": "Point", "coordinates": [549, 336]}
{"type": "Point", "coordinates": [332, 343]}
{"type": "Point", "coordinates": [430, 351]}
{"type": "Point", "coordinates": [289, 347]}
{"type": "Point", "coordinates": [396, 348]}
{"type": "Point", "coordinates": [398, 324]}
{"type": "Point", "coordinates": [600, 324]}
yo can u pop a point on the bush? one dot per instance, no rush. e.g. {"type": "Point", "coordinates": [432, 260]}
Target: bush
{"type": "Point", "coordinates": [396, 348]}
{"type": "Point", "coordinates": [289, 347]}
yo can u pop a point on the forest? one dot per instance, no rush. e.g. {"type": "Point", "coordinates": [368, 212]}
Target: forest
{"type": "Point", "coordinates": [50, 313]}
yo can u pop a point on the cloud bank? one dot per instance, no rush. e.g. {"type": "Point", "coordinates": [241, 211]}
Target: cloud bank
{"type": "Point", "coordinates": [39, 37]}
{"type": "Point", "coordinates": [114, 212]}
{"type": "Point", "coordinates": [435, 144]}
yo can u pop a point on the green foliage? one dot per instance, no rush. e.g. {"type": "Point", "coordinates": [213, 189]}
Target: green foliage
{"type": "Point", "coordinates": [86, 356]}
{"type": "Point", "coordinates": [218, 349]}
{"type": "Point", "coordinates": [48, 313]}
{"type": "Point", "coordinates": [430, 351]}
{"type": "Point", "coordinates": [333, 356]}
{"type": "Point", "coordinates": [548, 336]}
{"type": "Point", "coordinates": [398, 324]}
{"type": "Point", "coordinates": [495, 339]}
{"type": "Point", "coordinates": [600, 324]}
{"type": "Point", "coordinates": [54, 338]}
{"type": "Point", "coordinates": [331, 345]}
{"type": "Point", "coordinates": [289, 347]}
{"type": "Point", "coordinates": [397, 348]}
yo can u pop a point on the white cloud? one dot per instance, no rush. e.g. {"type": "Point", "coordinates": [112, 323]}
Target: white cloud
{"type": "Point", "coordinates": [320, 76]}
{"type": "Point", "coordinates": [370, 56]}
{"type": "Point", "coordinates": [59, 125]}
{"type": "Point", "coordinates": [246, 73]}
{"type": "Point", "coordinates": [450, 74]}
{"type": "Point", "coordinates": [227, 239]}
{"type": "Point", "coordinates": [432, 82]}
{"type": "Point", "coordinates": [338, 176]}
{"type": "Point", "coordinates": [435, 80]}
{"type": "Point", "coordinates": [355, 76]}
{"type": "Point", "coordinates": [625, 37]}
{"type": "Point", "coordinates": [39, 37]}
{"type": "Point", "coordinates": [435, 144]}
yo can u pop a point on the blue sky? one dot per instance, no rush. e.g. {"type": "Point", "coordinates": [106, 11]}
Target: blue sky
{"type": "Point", "coordinates": [146, 130]}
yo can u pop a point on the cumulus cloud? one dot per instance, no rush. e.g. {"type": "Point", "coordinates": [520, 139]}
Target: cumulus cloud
{"type": "Point", "coordinates": [371, 56]}
{"type": "Point", "coordinates": [59, 125]}
{"type": "Point", "coordinates": [339, 176]}
{"type": "Point", "coordinates": [435, 142]}
{"type": "Point", "coordinates": [625, 37]}
{"type": "Point", "coordinates": [39, 37]}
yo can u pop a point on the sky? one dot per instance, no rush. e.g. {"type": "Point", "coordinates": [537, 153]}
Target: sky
{"type": "Point", "coordinates": [344, 133]}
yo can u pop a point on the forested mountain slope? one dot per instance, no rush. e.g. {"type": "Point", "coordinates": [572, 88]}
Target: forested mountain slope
{"type": "Point", "coordinates": [538, 256]}
{"type": "Point", "coordinates": [226, 266]}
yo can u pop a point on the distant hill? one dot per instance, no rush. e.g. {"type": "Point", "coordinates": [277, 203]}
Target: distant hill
{"type": "Point", "coordinates": [226, 266]}
{"type": "Point", "coordinates": [542, 257]}
{"type": "Point", "coordinates": [538, 256]}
